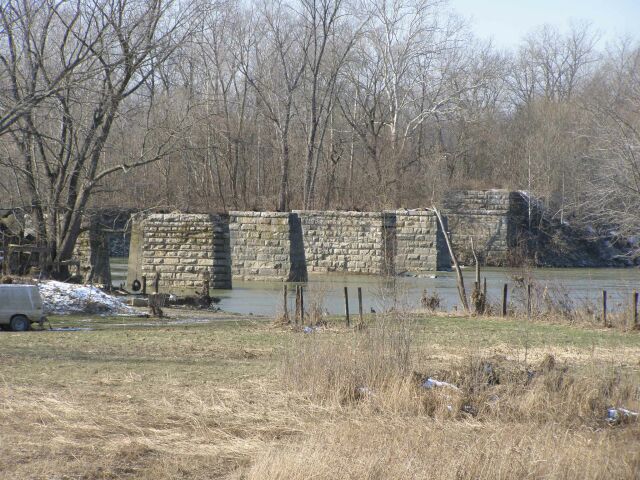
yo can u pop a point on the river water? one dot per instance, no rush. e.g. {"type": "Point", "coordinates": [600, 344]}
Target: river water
{"type": "Point", "coordinates": [573, 287]}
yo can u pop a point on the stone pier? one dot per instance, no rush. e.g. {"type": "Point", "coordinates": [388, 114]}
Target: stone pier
{"type": "Point", "coordinates": [351, 242]}
{"type": "Point", "coordinates": [185, 249]}
{"type": "Point", "coordinates": [266, 246]}
{"type": "Point", "coordinates": [493, 218]}
{"type": "Point", "coordinates": [419, 243]}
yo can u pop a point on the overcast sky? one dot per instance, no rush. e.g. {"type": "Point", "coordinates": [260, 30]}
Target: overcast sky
{"type": "Point", "coordinates": [505, 21]}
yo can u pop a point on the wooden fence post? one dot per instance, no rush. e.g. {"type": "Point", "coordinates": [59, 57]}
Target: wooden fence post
{"type": "Point", "coordinates": [635, 309]}
{"type": "Point", "coordinates": [285, 307]}
{"type": "Point", "coordinates": [505, 291]}
{"type": "Point", "coordinates": [156, 283]}
{"type": "Point", "coordinates": [297, 314]}
{"type": "Point", "coordinates": [528, 301]}
{"type": "Point", "coordinates": [604, 308]}
{"type": "Point", "coordinates": [346, 306]}
{"type": "Point", "coordinates": [144, 285]}
{"type": "Point", "coordinates": [301, 305]}
{"type": "Point", "coordinates": [360, 304]}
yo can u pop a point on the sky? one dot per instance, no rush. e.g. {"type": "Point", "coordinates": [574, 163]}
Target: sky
{"type": "Point", "coordinates": [506, 21]}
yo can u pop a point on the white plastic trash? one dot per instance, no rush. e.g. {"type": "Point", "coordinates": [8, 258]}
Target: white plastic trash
{"type": "Point", "coordinates": [620, 415]}
{"type": "Point", "coordinates": [430, 383]}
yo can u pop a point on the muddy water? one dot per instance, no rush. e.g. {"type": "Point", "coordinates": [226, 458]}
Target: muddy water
{"type": "Point", "coordinates": [574, 287]}
{"type": "Point", "coordinates": [118, 270]}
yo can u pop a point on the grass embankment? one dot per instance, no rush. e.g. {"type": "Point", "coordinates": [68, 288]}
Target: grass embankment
{"type": "Point", "coordinates": [239, 398]}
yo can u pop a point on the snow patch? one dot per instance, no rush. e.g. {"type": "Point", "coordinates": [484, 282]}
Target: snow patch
{"type": "Point", "coordinates": [63, 298]}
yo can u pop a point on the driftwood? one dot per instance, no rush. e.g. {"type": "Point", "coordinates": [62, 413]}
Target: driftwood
{"type": "Point", "coordinates": [459, 278]}
{"type": "Point", "coordinates": [156, 304]}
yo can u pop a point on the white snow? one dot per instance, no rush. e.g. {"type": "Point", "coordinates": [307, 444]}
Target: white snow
{"type": "Point", "coordinates": [62, 298]}
{"type": "Point", "coordinates": [535, 202]}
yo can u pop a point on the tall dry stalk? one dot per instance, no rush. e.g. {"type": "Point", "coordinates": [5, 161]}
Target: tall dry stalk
{"type": "Point", "coordinates": [462, 293]}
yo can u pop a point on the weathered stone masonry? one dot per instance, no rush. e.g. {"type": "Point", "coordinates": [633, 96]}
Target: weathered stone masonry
{"type": "Point", "coordinates": [186, 248]}
{"type": "Point", "coordinates": [354, 242]}
{"type": "Point", "coordinates": [494, 218]}
{"type": "Point", "coordinates": [419, 243]}
{"type": "Point", "coordinates": [373, 242]}
{"type": "Point", "coordinates": [266, 246]}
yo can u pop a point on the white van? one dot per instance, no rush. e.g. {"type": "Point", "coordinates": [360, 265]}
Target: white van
{"type": "Point", "coordinates": [20, 306]}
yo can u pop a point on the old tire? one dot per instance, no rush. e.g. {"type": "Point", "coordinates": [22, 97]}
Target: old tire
{"type": "Point", "coordinates": [20, 323]}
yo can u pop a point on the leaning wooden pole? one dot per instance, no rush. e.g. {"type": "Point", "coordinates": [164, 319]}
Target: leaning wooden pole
{"type": "Point", "coordinates": [475, 258]}
{"type": "Point", "coordinates": [459, 278]}
{"type": "Point", "coordinates": [477, 296]}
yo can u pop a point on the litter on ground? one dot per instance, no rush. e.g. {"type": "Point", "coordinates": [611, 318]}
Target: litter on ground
{"type": "Point", "coordinates": [621, 415]}
{"type": "Point", "coordinates": [430, 383]}
{"type": "Point", "coordinates": [364, 392]}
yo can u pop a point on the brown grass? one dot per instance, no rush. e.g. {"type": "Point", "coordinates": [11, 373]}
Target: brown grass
{"type": "Point", "coordinates": [247, 400]}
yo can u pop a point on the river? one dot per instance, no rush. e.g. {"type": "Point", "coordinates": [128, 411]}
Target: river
{"type": "Point", "coordinates": [572, 286]}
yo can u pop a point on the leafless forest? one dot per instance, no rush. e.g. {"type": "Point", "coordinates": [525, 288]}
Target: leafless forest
{"type": "Point", "coordinates": [354, 104]}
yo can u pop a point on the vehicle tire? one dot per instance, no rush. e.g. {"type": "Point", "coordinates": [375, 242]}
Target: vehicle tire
{"type": "Point", "coordinates": [20, 323]}
{"type": "Point", "coordinates": [135, 286]}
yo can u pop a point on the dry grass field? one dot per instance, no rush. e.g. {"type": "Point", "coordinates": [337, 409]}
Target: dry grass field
{"type": "Point", "coordinates": [241, 398]}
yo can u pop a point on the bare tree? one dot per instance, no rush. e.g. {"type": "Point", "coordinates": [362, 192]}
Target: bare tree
{"type": "Point", "coordinates": [24, 44]}
{"type": "Point", "coordinates": [280, 61]}
{"type": "Point", "coordinates": [326, 55]}
{"type": "Point", "coordinates": [611, 171]}
{"type": "Point", "coordinates": [408, 54]}
{"type": "Point", "coordinates": [224, 36]}
{"type": "Point", "coordinates": [61, 140]}
{"type": "Point", "coordinates": [551, 65]}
